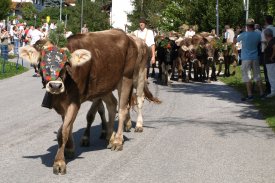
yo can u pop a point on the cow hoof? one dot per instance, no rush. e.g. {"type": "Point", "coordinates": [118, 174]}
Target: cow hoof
{"type": "Point", "coordinates": [111, 141]}
{"type": "Point", "coordinates": [128, 126]}
{"type": "Point", "coordinates": [59, 167]}
{"type": "Point", "coordinates": [117, 147]}
{"type": "Point", "coordinates": [139, 129]}
{"type": "Point", "coordinates": [127, 129]}
{"type": "Point", "coordinates": [116, 142]}
{"type": "Point", "coordinates": [233, 73]}
{"type": "Point", "coordinates": [85, 142]}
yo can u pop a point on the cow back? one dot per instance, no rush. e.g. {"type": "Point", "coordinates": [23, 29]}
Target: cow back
{"type": "Point", "coordinates": [103, 72]}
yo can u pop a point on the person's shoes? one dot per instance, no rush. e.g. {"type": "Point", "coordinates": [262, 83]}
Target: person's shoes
{"type": "Point", "coordinates": [248, 98]}
{"type": "Point", "coordinates": [272, 94]}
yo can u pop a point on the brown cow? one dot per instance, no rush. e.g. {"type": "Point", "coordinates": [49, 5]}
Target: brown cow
{"type": "Point", "coordinates": [99, 63]}
{"type": "Point", "coordinates": [141, 92]}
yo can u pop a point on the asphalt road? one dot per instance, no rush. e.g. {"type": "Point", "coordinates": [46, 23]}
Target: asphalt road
{"type": "Point", "coordinates": [201, 133]}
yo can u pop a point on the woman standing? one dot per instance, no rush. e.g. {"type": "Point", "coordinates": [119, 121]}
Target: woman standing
{"type": "Point", "coordinates": [16, 36]}
{"type": "Point", "coordinates": [4, 35]}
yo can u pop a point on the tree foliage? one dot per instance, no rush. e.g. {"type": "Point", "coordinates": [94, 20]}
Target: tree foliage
{"type": "Point", "coordinates": [93, 16]}
{"type": "Point", "coordinates": [169, 15]}
{"type": "Point", "coordinates": [5, 8]}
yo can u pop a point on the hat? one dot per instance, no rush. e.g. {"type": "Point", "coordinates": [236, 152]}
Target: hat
{"type": "Point", "coordinates": [142, 20]}
{"type": "Point", "coordinates": [250, 21]}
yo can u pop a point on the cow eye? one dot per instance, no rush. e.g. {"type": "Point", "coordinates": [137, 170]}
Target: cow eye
{"type": "Point", "coordinates": [53, 67]}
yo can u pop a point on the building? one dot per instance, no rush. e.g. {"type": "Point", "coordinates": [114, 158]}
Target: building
{"type": "Point", "coordinates": [119, 12]}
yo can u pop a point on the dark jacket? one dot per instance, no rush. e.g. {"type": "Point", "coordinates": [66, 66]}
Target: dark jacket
{"type": "Point", "coordinates": [268, 52]}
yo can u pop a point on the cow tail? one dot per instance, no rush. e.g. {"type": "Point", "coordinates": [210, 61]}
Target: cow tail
{"type": "Point", "coordinates": [149, 96]}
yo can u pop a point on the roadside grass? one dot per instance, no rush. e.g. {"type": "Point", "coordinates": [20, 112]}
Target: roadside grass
{"type": "Point", "coordinates": [266, 107]}
{"type": "Point", "coordinates": [10, 69]}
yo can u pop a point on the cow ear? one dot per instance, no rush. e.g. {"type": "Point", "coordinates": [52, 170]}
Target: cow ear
{"type": "Point", "coordinates": [30, 54]}
{"type": "Point", "coordinates": [79, 57]}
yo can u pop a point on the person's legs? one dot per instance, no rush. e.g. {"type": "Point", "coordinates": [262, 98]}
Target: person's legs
{"type": "Point", "coordinates": [257, 75]}
{"type": "Point", "coordinates": [249, 88]}
{"type": "Point", "coordinates": [271, 76]}
{"type": "Point", "coordinates": [267, 83]}
{"type": "Point", "coordinates": [246, 78]}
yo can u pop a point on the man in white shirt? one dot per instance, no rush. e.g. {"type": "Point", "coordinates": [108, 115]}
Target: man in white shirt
{"type": "Point", "coordinates": [190, 33]}
{"type": "Point", "coordinates": [35, 35]}
{"type": "Point", "coordinates": [148, 37]}
{"type": "Point", "coordinates": [229, 34]}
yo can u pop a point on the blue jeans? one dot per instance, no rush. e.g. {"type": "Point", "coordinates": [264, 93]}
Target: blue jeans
{"type": "Point", "coordinates": [16, 46]}
{"type": "Point", "coordinates": [4, 52]}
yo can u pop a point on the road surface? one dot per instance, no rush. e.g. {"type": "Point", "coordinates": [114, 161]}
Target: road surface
{"type": "Point", "coordinates": [200, 133]}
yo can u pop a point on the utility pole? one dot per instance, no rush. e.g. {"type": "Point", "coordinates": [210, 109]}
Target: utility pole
{"type": "Point", "coordinates": [60, 14]}
{"type": "Point", "coordinates": [81, 21]}
{"type": "Point", "coordinates": [246, 8]}
{"type": "Point", "coordinates": [217, 17]}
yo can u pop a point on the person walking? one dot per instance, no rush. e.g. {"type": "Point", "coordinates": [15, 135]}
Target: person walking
{"type": "Point", "coordinates": [269, 58]}
{"type": "Point", "coordinates": [148, 37]}
{"type": "Point", "coordinates": [250, 59]}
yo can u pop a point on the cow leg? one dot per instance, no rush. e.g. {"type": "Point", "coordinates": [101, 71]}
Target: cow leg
{"type": "Point", "coordinates": [189, 70]}
{"type": "Point", "coordinates": [111, 105]}
{"type": "Point", "coordinates": [234, 66]}
{"type": "Point", "coordinates": [160, 69]}
{"type": "Point", "coordinates": [124, 94]}
{"type": "Point", "coordinates": [140, 100]}
{"type": "Point", "coordinates": [213, 75]}
{"type": "Point", "coordinates": [85, 141]}
{"type": "Point", "coordinates": [208, 73]}
{"type": "Point", "coordinates": [220, 68]}
{"type": "Point", "coordinates": [128, 123]}
{"type": "Point", "coordinates": [101, 112]}
{"type": "Point", "coordinates": [65, 134]}
{"type": "Point", "coordinates": [195, 68]}
{"type": "Point", "coordinates": [153, 70]}
{"type": "Point", "coordinates": [163, 76]}
{"type": "Point", "coordinates": [180, 69]}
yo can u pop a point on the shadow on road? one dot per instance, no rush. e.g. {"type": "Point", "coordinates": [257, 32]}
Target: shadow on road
{"type": "Point", "coordinates": [96, 145]}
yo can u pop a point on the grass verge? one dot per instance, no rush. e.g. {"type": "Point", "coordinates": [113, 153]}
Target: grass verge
{"type": "Point", "coordinates": [266, 107]}
{"type": "Point", "coordinates": [10, 69]}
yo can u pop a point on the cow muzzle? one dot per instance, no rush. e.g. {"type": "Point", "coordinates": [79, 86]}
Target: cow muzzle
{"type": "Point", "coordinates": [210, 59]}
{"type": "Point", "coordinates": [221, 59]}
{"type": "Point", "coordinates": [55, 87]}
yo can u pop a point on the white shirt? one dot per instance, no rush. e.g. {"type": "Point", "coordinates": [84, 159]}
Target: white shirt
{"type": "Point", "coordinates": [263, 40]}
{"type": "Point", "coordinates": [35, 36]}
{"type": "Point", "coordinates": [189, 34]}
{"type": "Point", "coordinates": [147, 35]}
{"type": "Point", "coordinates": [229, 35]}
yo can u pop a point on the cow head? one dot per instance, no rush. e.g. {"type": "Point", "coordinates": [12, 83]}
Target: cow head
{"type": "Point", "coordinates": [210, 51]}
{"type": "Point", "coordinates": [54, 64]}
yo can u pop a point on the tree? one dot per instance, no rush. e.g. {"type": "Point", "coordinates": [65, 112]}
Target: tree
{"type": "Point", "coordinates": [28, 11]}
{"type": "Point", "coordinates": [5, 7]}
{"type": "Point", "coordinates": [168, 15]}
{"type": "Point", "coordinates": [93, 16]}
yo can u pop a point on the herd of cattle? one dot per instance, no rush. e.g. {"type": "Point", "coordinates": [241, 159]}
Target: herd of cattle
{"type": "Point", "coordinates": [90, 69]}
{"type": "Point", "coordinates": [199, 54]}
